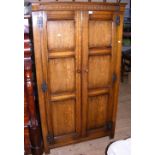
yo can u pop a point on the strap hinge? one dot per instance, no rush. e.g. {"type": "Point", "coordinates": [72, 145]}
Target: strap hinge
{"type": "Point", "coordinates": [44, 86]}
{"type": "Point", "coordinates": [109, 125]}
{"type": "Point", "coordinates": [117, 20]}
{"type": "Point", "coordinates": [49, 138]}
{"type": "Point", "coordinates": [114, 77]}
{"type": "Point", "coordinates": [40, 21]}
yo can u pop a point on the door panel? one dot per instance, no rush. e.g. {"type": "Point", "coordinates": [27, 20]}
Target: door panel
{"type": "Point", "coordinates": [100, 33]}
{"type": "Point", "coordinates": [98, 70]}
{"type": "Point", "coordinates": [59, 67]}
{"type": "Point", "coordinates": [61, 34]}
{"type": "Point", "coordinates": [98, 117]}
{"type": "Point", "coordinates": [62, 48]}
{"type": "Point", "coordinates": [66, 123]}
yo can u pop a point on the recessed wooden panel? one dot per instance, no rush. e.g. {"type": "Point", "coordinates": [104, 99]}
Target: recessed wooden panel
{"type": "Point", "coordinates": [63, 115]}
{"type": "Point", "coordinates": [60, 34]}
{"type": "Point", "coordinates": [99, 71]}
{"type": "Point", "coordinates": [100, 33]}
{"type": "Point", "coordinates": [97, 111]}
{"type": "Point", "coordinates": [62, 75]}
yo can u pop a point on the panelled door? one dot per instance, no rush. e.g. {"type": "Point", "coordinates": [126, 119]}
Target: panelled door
{"type": "Point", "coordinates": [98, 40]}
{"type": "Point", "coordinates": [61, 59]}
{"type": "Point", "coordinates": [75, 63]}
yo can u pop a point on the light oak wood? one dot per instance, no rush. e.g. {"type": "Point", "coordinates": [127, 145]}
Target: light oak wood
{"type": "Point", "coordinates": [100, 51]}
{"type": "Point", "coordinates": [61, 54]}
{"type": "Point", "coordinates": [99, 71]}
{"type": "Point", "coordinates": [77, 57]}
{"type": "Point", "coordinates": [59, 67]}
{"type": "Point", "coordinates": [97, 111]}
{"type": "Point", "coordinates": [61, 34]}
{"type": "Point", "coordinates": [38, 59]}
{"type": "Point", "coordinates": [85, 51]}
{"type": "Point", "coordinates": [62, 96]}
{"type": "Point", "coordinates": [66, 124]}
{"type": "Point", "coordinates": [99, 91]}
{"type": "Point", "coordinates": [78, 16]}
{"type": "Point", "coordinates": [88, 6]}
{"type": "Point", "coordinates": [100, 33]}
{"type": "Point", "coordinates": [57, 15]}
{"type": "Point", "coordinates": [117, 54]}
{"type": "Point", "coordinates": [99, 145]}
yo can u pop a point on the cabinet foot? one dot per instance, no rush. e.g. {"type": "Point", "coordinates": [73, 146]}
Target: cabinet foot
{"type": "Point", "coordinates": [111, 136]}
{"type": "Point", "coordinates": [47, 151]}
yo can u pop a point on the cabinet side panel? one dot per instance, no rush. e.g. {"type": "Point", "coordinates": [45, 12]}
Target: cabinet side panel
{"type": "Point", "coordinates": [37, 36]}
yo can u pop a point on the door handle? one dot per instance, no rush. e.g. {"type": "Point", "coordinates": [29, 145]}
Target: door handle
{"type": "Point", "coordinates": [85, 70]}
{"type": "Point", "coordinates": [78, 70]}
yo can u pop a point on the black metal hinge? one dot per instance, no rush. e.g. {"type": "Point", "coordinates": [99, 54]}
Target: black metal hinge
{"type": "Point", "coordinates": [117, 20]}
{"type": "Point", "coordinates": [114, 77]}
{"type": "Point", "coordinates": [40, 21]}
{"type": "Point", "coordinates": [44, 86]}
{"type": "Point", "coordinates": [49, 138]}
{"type": "Point", "coordinates": [109, 125]}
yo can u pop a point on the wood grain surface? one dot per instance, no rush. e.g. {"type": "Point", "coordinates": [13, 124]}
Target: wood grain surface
{"type": "Point", "coordinates": [77, 58]}
{"type": "Point", "coordinates": [123, 129]}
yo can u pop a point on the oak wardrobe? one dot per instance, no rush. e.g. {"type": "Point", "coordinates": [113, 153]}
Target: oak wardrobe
{"type": "Point", "coordinates": [77, 50]}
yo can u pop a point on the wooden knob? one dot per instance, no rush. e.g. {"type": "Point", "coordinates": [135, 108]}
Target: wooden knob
{"type": "Point", "coordinates": [78, 71]}
{"type": "Point", "coordinates": [86, 70]}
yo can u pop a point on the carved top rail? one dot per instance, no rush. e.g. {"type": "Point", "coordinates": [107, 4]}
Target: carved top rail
{"type": "Point", "coordinates": [47, 6]}
{"type": "Point", "coordinates": [116, 1]}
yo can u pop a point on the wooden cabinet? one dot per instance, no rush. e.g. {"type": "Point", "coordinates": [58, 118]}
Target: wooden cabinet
{"type": "Point", "coordinates": [77, 55]}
